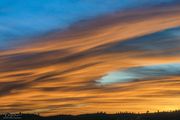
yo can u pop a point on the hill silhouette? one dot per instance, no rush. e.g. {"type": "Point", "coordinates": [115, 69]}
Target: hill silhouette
{"type": "Point", "coordinates": [174, 115]}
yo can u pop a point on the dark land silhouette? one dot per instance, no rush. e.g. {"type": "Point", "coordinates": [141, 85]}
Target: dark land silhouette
{"type": "Point", "coordinates": [172, 115]}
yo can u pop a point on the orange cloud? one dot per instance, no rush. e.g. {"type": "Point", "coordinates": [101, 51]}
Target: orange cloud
{"type": "Point", "coordinates": [58, 73]}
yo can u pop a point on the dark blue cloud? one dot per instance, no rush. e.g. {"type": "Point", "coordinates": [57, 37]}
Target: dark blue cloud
{"type": "Point", "coordinates": [163, 43]}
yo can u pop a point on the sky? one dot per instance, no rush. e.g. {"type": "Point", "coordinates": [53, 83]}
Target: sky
{"type": "Point", "coordinates": [86, 56]}
{"type": "Point", "coordinates": [21, 19]}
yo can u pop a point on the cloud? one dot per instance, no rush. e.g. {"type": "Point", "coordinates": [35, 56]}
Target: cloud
{"type": "Point", "coordinates": [62, 68]}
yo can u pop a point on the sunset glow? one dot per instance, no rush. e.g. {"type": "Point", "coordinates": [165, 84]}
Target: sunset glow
{"type": "Point", "coordinates": [120, 57]}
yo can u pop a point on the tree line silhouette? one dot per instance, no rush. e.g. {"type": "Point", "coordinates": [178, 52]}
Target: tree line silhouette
{"type": "Point", "coordinates": [171, 115]}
